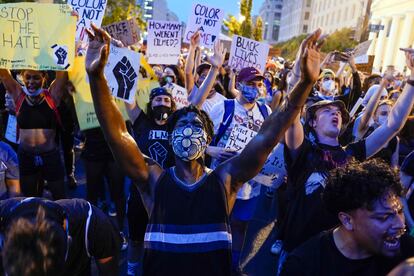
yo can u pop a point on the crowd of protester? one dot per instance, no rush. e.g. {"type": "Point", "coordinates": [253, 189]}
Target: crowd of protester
{"type": "Point", "coordinates": [345, 140]}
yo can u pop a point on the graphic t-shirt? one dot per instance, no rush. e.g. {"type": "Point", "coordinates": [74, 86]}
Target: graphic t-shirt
{"type": "Point", "coordinates": [152, 140]}
{"type": "Point", "coordinates": [251, 120]}
{"type": "Point", "coordinates": [306, 216]}
{"type": "Point", "coordinates": [320, 256]}
{"type": "Point", "coordinates": [9, 166]}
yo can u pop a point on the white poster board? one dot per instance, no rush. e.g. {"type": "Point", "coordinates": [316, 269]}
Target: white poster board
{"type": "Point", "coordinates": [88, 11]}
{"type": "Point", "coordinates": [121, 72]}
{"type": "Point", "coordinates": [179, 95]}
{"type": "Point", "coordinates": [163, 42]}
{"type": "Point", "coordinates": [246, 52]}
{"type": "Point", "coordinates": [11, 130]}
{"type": "Point", "coordinates": [206, 19]}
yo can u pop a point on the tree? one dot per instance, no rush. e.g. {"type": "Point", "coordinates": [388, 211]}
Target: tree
{"type": "Point", "coordinates": [246, 28]}
{"type": "Point", "coordinates": [243, 28]}
{"type": "Point", "coordinates": [231, 25]}
{"type": "Point", "coordinates": [258, 29]}
{"type": "Point", "coordinates": [118, 10]}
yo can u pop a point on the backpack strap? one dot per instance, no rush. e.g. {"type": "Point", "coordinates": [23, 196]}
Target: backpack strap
{"type": "Point", "coordinates": [51, 103]}
{"type": "Point", "coordinates": [263, 110]}
{"type": "Point", "coordinates": [229, 107]}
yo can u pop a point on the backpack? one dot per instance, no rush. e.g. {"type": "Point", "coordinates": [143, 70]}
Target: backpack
{"type": "Point", "coordinates": [229, 106]}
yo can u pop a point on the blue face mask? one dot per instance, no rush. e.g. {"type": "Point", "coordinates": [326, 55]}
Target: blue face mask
{"type": "Point", "coordinates": [250, 93]}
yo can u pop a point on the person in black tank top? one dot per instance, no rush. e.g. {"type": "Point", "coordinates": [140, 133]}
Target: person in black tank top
{"type": "Point", "coordinates": [189, 206]}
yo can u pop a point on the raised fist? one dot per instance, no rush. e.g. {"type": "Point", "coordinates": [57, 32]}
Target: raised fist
{"type": "Point", "coordinates": [125, 76]}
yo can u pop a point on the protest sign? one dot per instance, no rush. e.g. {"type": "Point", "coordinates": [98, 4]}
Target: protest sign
{"type": "Point", "coordinates": [11, 129]}
{"type": "Point", "coordinates": [121, 72]}
{"type": "Point", "coordinates": [88, 11]}
{"type": "Point", "coordinates": [85, 110]}
{"type": "Point", "coordinates": [246, 52]}
{"type": "Point", "coordinates": [163, 42]}
{"type": "Point", "coordinates": [28, 41]}
{"type": "Point", "coordinates": [126, 31]}
{"type": "Point", "coordinates": [273, 170]}
{"type": "Point", "coordinates": [179, 95]}
{"type": "Point", "coordinates": [145, 84]}
{"type": "Point", "coordinates": [206, 19]}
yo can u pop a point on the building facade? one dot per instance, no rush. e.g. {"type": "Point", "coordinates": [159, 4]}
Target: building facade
{"type": "Point", "coordinates": [332, 15]}
{"type": "Point", "coordinates": [271, 14]}
{"type": "Point", "coordinates": [156, 10]}
{"type": "Point", "coordinates": [295, 20]}
{"type": "Point", "coordinates": [396, 17]}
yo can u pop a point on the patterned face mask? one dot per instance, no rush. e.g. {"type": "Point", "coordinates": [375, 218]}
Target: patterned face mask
{"type": "Point", "coordinates": [250, 93]}
{"type": "Point", "coordinates": [189, 142]}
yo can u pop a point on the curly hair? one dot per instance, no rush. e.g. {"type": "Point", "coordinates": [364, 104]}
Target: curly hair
{"type": "Point", "coordinates": [34, 247]}
{"type": "Point", "coordinates": [205, 119]}
{"type": "Point", "coordinates": [359, 185]}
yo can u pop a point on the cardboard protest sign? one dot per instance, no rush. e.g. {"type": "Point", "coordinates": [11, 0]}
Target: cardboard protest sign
{"type": "Point", "coordinates": [126, 31]}
{"type": "Point", "coordinates": [28, 41]}
{"type": "Point", "coordinates": [163, 42]}
{"type": "Point", "coordinates": [88, 11]}
{"type": "Point", "coordinates": [179, 95]}
{"type": "Point", "coordinates": [85, 110]}
{"type": "Point", "coordinates": [361, 52]}
{"type": "Point", "coordinates": [272, 170]}
{"type": "Point", "coordinates": [121, 72]}
{"type": "Point", "coordinates": [206, 19]}
{"type": "Point", "coordinates": [246, 52]}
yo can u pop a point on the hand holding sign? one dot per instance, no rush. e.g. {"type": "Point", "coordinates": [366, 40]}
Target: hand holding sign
{"type": "Point", "coordinates": [98, 50]}
{"type": "Point", "coordinates": [195, 40]}
{"type": "Point", "coordinates": [125, 76]}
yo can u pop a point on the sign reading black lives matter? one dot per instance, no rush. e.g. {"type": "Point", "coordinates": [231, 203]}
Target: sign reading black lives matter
{"type": "Point", "coordinates": [88, 11]}
{"type": "Point", "coordinates": [246, 52]}
{"type": "Point", "coordinates": [163, 42]}
{"type": "Point", "coordinates": [121, 72]}
{"type": "Point", "coordinates": [126, 31]}
{"type": "Point", "coordinates": [206, 19]}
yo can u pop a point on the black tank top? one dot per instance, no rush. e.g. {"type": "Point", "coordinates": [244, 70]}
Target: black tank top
{"type": "Point", "coordinates": [39, 116]}
{"type": "Point", "coordinates": [188, 231]}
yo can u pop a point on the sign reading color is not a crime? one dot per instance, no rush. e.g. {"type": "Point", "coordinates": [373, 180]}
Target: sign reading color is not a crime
{"type": "Point", "coordinates": [28, 41]}
{"type": "Point", "coordinates": [163, 42]}
{"type": "Point", "coordinates": [246, 52]}
{"type": "Point", "coordinates": [206, 19]}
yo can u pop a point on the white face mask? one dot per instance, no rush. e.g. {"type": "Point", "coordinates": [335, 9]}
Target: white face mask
{"type": "Point", "coordinates": [328, 86]}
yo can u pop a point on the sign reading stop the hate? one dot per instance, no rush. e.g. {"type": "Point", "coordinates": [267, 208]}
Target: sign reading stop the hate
{"type": "Point", "coordinates": [206, 19]}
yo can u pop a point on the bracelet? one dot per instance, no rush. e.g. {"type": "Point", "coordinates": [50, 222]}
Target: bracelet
{"type": "Point", "coordinates": [410, 82]}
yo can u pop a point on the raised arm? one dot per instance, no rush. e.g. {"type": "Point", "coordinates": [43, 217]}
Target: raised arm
{"type": "Point", "coordinates": [216, 62]}
{"type": "Point", "coordinates": [132, 110]}
{"type": "Point", "coordinates": [232, 84]}
{"type": "Point", "coordinates": [58, 86]}
{"type": "Point", "coordinates": [11, 85]}
{"type": "Point", "coordinates": [189, 64]}
{"type": "Point", "coordinates": [123, 146]}
{"type": "Point", "coordinates": [398, 115]}
{"type": "Point", "coordinates": [369, 110]}
{"type": "Point", "coordinates": [245, 166]}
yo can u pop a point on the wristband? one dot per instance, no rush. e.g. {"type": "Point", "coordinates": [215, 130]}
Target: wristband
{"type": "Point", "coordinates": [410, 82]}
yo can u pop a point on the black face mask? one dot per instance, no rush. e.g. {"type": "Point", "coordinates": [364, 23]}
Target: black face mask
{"type": "Point", "coordinates": [161, 112]}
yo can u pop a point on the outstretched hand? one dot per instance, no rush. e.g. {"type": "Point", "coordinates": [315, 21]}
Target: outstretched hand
{"type": "Point", "coordinates": [219, 54]}
{"type": "Point", "coordinates": [409, 58]}
{"type": "Point", "coordinates": [195, 39]}
{"type": "Point", "coordinates": [310, 56]}
{"type": "Point", "coordinates": [98, 50]}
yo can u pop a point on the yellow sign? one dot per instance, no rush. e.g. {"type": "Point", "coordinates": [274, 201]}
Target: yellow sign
{"type": "Point", "coordinates": [145, 85]}
{"type": "Point", "coordinates": [83, 98]}
{"type": "Point", "coordinates": [37, 36]}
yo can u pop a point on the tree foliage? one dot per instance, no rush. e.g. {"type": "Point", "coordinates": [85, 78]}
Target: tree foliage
{"type": "Point", "coordinates": [339, 40]}
{"type": "Point", "coordinates": [243, 28]}
{"type": "Point", "coordinates": [232, 25]}
{"type": "Point", "coordinates": [118, 10]}
{"type": "Point", "coordinates": [258, 29]}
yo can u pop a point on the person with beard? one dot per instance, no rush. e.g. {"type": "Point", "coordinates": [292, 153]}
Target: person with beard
{"type": "Point", "coordinates": [37, 122]}
{"type": "Point", "coordinates": [189, 205]}
{"type": "Point", "coordinates": [310, 158]}
{"type": "Point", "coordinates": [152, 137]}
{"type": "Point", "coordinates": [369, 240]}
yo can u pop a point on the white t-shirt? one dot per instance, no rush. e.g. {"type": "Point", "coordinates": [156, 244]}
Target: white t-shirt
{"type": "Point", "coordinates": [243, 118]}
{"type": "Point", "coordinates": [210, 102]}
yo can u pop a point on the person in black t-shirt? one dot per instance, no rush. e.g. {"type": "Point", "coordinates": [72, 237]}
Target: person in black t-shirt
{"type": "Point", "coordinates": [202, 235]}
{"type": "Point", "coordinates": [152, 137]}
{"type": "Point", "coordinates": [310, 159]}
{"type": "Point", "coordinates": [43, 237]}
{"type": "Point", "coordinates": [370, 239]}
